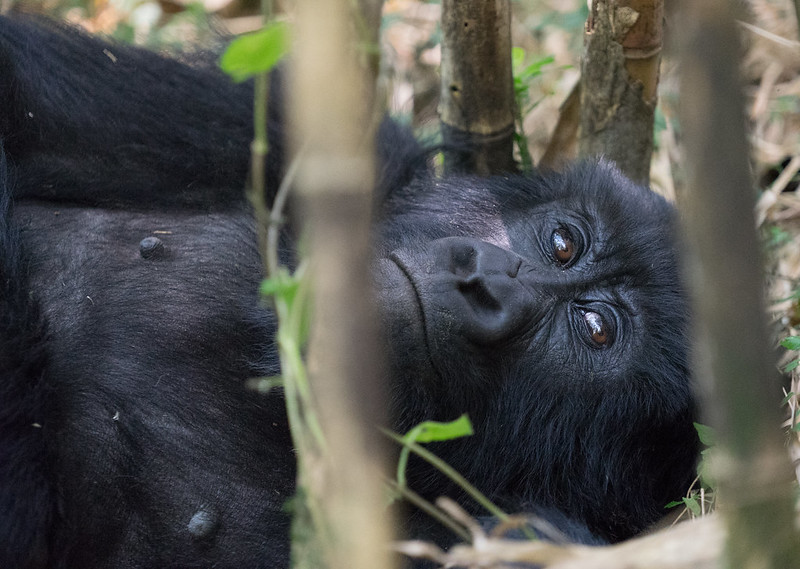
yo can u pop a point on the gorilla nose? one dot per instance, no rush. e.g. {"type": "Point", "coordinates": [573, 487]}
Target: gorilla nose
{"type": "Point", "coordinates": [494, 304]}
{"type": "Point", "coordinates": [470, 257]}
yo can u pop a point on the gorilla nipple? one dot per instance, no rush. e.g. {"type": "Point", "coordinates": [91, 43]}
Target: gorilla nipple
{"type": "Point", "coordinates": [151, 248]}
{"type": "Point", "coordinates": [203, 524]}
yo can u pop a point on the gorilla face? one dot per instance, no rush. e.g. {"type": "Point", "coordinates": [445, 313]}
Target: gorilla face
{"type": "Point", "coordinates": [559, 278]}
{"type": "Point", "coordinates": [556, 319]}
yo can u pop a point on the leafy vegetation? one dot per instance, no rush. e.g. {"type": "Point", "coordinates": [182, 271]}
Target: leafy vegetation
{"type": "Point", "coordinates": [701, 497]}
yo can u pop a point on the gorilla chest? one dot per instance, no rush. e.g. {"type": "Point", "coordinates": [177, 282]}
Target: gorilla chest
{"type": "Point", "coordinates": [142, 281]}
{"type": "Point", "coordinates": [154, 327]}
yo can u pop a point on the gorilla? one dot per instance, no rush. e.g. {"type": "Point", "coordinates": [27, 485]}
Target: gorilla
{"type": "Point", "coordinates": [548, 307]}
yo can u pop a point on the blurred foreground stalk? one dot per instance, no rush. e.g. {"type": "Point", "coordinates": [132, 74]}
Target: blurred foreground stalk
{"type": "Point", "coordinates": [331, 115]}
{"type": "Point", "coordinates": [737, 376]}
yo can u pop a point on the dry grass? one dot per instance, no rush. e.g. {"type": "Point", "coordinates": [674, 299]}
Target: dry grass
{"type": "Point", "coordinates": [772, 72]}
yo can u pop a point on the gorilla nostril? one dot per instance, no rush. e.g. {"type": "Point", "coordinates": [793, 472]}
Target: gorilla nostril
{"type": "Point", "coordinates": [478, 296]}
{"type": "Point", "coordinates": [513, 270]}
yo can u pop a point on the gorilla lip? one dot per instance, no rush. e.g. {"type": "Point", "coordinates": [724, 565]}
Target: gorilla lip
{"type": "Point", "coordinates": [395, 257]}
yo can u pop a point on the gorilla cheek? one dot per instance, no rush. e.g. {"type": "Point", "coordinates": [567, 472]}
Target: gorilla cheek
{"type": "Point", "coordinates": [402, 323]}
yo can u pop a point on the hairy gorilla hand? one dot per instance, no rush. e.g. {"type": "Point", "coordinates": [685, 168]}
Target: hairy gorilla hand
{"type": "Point", "coordinates": [548, 307]}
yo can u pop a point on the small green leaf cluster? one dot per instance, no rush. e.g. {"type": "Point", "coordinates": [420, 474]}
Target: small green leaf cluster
{"type": "Point", "coordinates": [286, 290]}
{"type": "Point", "coordinates": [791, 343]}
{"type": "Point", "coordinates": [700, 499]}
{"type": "Point", "coordinates": [433, 431]}
{"type": "Point", "coordinates": [428, 432]}
{"type": "Point", "coordinates": [795, 419]}
{"type": "Point", "coordinates": [775, 236]}
{"type": "Point", "coordinates": [257, 52]}
{"type": "Point", "coordinates": [523, 75]}
{"type": "Point", "coordinates": [282, 286]}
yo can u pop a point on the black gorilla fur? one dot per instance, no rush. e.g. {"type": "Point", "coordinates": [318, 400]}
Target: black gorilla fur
{"type": "Point", "coordinates": [547, 307]}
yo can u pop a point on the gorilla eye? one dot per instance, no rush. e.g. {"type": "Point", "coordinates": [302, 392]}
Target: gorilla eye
{"type": "Point", "coordinates": [563, 246]}
{"type": "Point", "coordinates": [598, 329]}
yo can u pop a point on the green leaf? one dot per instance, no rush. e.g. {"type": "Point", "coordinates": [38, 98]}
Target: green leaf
{"type": "Point", "coordinates": [705, 473]}
{"type": "Point", "coordinates": [517, 57]}
{"type": "Point", "coordinates": [775, 236]}
{"type": "Point", "coordinates": [707, 435]}
{"type": "Point", "coordinates": [281, 285]}
{"type": "Point", "coordinates": [788, 398]}
{"type": "Point", "coordinates": [535, 68]}
{"type": "Point", "coordinates": [791, 365]}
{"type": "Point", "coordinates": [693, 505]}
{"type": "Point", "coordinates": [791, 343]}
{"type": "Point", "coordinates": [430, 431]}
{"type": "Point", "coordinates": [255, 53]}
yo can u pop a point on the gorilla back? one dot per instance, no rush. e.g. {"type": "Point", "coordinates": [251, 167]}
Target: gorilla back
{"type": "Point", "coordinates": [547, 307]}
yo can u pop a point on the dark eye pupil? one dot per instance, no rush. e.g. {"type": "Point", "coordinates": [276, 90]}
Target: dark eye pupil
{"type": "Point", "coordinates": [597, 327]}
{"type": "Point", "coordinates": [563, 246]}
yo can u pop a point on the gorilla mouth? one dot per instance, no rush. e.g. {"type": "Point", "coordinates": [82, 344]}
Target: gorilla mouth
{"type": "Point", "coordinates": [396, 257]}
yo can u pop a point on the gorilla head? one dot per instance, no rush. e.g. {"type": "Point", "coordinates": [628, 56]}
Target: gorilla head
{"type": "Point", "coordinates": [548, 307]}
